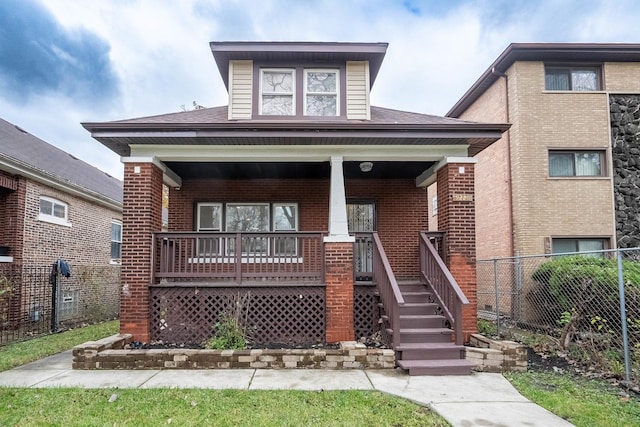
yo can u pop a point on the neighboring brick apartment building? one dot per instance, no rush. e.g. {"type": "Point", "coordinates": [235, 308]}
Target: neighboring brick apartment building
{"type": "Point", "coordinates": [55, 206]}
{"type": "Point", "coordinates": [565, 176]}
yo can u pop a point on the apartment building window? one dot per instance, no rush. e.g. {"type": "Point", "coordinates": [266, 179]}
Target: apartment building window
{"type": "Point", "coordinates": [54, 211]}
{"type": "Point", "coordinates": [277, 96]}
{"type": "Point", "coordinates": [563, 245]}
{"type": "Point", "coordinates": [434, 205]}
{"type": "Point", "coordinates": [321, 92]}
{"type": "Point", "coordinates": [116, 241]}
{"type": "Point", "coordinates": [572, 78]}
{"type": "Point", "coordinates": [565, 163]}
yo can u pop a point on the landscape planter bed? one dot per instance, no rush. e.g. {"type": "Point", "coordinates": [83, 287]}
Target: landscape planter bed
{"type": "Point", "coordinates": [112, 353]}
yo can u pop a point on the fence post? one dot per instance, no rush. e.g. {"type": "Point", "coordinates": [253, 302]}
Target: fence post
{"type": "Point", "coordinates": [54, 299]}
{"type": "Point", "coordinates": [495, 284]}
{"type": "Point", "coordinates": [623, 316]}
{"type": "Point", "coordinates": [518, 316]}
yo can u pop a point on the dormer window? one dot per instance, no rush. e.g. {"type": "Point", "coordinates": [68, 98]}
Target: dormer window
{"type": "Point", "coordinates": [321, 93]}
{"type": "Point", "coordinates": [277, 96]}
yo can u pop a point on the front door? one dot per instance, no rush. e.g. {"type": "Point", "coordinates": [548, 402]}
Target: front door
{"type": "Point", "coordinates": [361, 218]}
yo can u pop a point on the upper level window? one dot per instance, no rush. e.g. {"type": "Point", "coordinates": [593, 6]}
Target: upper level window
{"type": "Point", "coordinates": [321, 92]}
{"type": "Point", "coordinates": [116, 240]}
{"type": "Point", "coordinates": [55, 211]}
{"type": "Point", "coordinates": [576, 163]}
{"type": "Point", "coordinates": [572, 78]}
{"type": "Point", "coordinates": [277, 92]}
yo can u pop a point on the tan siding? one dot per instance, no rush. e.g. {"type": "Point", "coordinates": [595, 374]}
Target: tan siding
{"type": "Point", "coordinates": [357, 96]}
{"type": "Point", "coordinates": [240, 89]}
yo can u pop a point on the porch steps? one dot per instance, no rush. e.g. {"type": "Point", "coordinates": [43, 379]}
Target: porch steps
{"type": "Point", "coordinates": [426, 343]}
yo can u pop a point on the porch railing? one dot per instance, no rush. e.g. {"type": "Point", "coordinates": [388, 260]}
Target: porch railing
{"type": "Point", "coordinates": [387, 285]}
{"type": "Point", "coordinates": [444, 286]}
{"type": "Point", "coordinates": [215, 256]}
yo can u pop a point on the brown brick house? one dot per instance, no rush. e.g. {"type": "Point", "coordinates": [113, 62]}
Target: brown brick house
{"type": "Point", "coordinates": [53, 206]}
{"type": "Point", "coordinates": [302, 195]}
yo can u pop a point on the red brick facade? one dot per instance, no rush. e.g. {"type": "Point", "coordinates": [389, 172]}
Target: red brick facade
{"type": "Point", "coordinates": [12, 211]}
{"type": "Point", "coordinates": [142, 215]}
{"type": "Point", "coordinates": [456, 216]}
{"type": "Point", "coordinates": [339, 291]}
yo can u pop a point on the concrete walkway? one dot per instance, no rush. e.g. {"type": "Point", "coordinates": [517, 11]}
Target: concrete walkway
{"type": "Point", "coordinates": [480, 399]}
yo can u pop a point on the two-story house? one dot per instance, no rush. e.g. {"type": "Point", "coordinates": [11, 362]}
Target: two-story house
{"type": "Point", "coordinates": [304, 197]}
{"type": "Point", "coordinates": [564, 177]}
{"type": "Point", "coordinates": [54, 206]}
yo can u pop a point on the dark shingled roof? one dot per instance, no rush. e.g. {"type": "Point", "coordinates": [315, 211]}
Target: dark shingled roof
{"type": "Point", "coordinates": [21, 148]}
{"type": "Point", "coordinates": [219, 115]}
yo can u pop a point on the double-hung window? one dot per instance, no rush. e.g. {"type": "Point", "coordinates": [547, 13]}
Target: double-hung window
{"type": "Point", "coordinates": [285, 218]}
{"type": "Point", "coordinates": [565, 163]}
{"type": "Point", "coordinates": [116, 241]}
{"type": "Point", "coordinates": [209, 219]}
{"type": "Point", "coordinates": [321, 92]}
{"type": "Point", "coordinates": [277, 92]}
{"type": "Point", "coordinates": [55, 211]}
{"type": "Point", "coordinates": [572, 78]}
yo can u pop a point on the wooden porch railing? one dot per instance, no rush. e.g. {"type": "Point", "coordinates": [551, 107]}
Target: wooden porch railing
{"type": "Point", "coordinates": [444, 286]}
{"type": "Point", "coordinates": [215, 256]}
{"type": "Point", "coordinates": [387, 285]}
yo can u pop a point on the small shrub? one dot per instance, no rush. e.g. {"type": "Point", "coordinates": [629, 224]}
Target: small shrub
{"type": "Point", "coordinates": [487, 328]}
{"type": "Point", "coordinates": [229, 335]}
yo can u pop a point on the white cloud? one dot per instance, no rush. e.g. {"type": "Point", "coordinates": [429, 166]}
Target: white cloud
{"type": "Point", "coordinates": [160, 52]}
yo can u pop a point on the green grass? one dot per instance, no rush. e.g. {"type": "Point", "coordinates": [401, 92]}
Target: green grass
{"type": "Point", "coordinates": [581, 401]}
{"type": "Point", "coordinates": [17, 354]}
{"type": "Point", "coordinates": [154, 407]}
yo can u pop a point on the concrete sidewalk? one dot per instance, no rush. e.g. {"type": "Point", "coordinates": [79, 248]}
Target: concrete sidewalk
{"type": "Point", "coordinates": [480, 399]}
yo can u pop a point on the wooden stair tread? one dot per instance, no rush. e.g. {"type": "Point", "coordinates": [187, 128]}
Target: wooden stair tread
{"type": "Point", "coordinates": [428, 346]}
{"type": "Point", "coordinates": [406, 364]}
{"type": "Point", "coordinates": [425, 331]}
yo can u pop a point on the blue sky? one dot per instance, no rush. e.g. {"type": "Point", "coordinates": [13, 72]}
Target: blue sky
{"type": "Point", "coordinates": [63, 62]}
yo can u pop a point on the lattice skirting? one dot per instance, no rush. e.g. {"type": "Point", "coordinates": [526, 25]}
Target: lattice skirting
{"type": "Point", "coordinates": [288, 315]}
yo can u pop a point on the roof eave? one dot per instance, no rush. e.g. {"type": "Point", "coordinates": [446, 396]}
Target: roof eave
{"type": "Point", "coordinates": [596, 52]}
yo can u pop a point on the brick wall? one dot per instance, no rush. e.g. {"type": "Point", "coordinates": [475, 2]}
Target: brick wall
{"type": "Point", "coordinates": [142, 216]}
{"type": "Point", "coordinates": [401, 208]}
{"type": "Point", "coordinates": [12, 204]}
{"type": "Point", "coordinates": [86, 242]}
{"type": "Point", "coordinates": [558, 207]}
{"type": "Point", "coordinates": [456, 216]}
{"type": "Point", "coordinates": [492, 178]}
{"type": "Point", "coordinates": [339, 291]}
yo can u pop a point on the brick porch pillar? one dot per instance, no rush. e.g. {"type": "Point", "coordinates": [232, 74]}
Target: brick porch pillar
{"type": "Point", "coordinates": [141, 216]}
{"type": "Point", "coordinates": [338, 260]}
{"type": "Point", "coordinates": [456, 216]}
{"type": "Point", "coordinates": [339, 291]}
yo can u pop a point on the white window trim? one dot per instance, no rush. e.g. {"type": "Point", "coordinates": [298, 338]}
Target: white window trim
{"type": "Point", "coordinates": [293, 89]}
{"type": "Point", "coordinates": [336, 93]}
{"type": "Point", "coordinates": [219, 228]}
{"type": "Point", "coordinates": [116, 261]}
{"type": "Point", "coordinates": [51, 218]}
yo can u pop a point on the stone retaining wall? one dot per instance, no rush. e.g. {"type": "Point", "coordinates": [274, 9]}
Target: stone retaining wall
{"type": "Point", "coordinates": [110, 353]}
{"type": "Point", "coordinates": [496, 356]}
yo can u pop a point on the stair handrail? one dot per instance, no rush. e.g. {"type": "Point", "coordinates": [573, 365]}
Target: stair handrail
{"type": "Point", "coordinates": [388, 288]}
{"type": "Point", "coordinates": [445, 288]}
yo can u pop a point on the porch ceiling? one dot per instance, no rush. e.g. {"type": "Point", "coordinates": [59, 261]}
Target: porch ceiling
{"type": "Point", "coordinates": [295, 170]}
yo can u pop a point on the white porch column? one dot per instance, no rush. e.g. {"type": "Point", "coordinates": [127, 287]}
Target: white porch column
{"type": "Point", "coordinates": [338, 226]}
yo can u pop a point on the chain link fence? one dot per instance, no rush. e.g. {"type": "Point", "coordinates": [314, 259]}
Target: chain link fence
{"type": "Point", "coordinates": [30, 304]}
{"type": "Point", "coordinates": [585, 304]}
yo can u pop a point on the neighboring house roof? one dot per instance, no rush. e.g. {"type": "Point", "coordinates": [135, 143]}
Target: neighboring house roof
{"type": "Point", "coordinates": [548, 52]}
{"type": "Point", "coordinates": [24, 154]}
{"type": "Point", "coordinates": [212, 126]}
{"type": "Point", "coordinates": [310, 52]}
